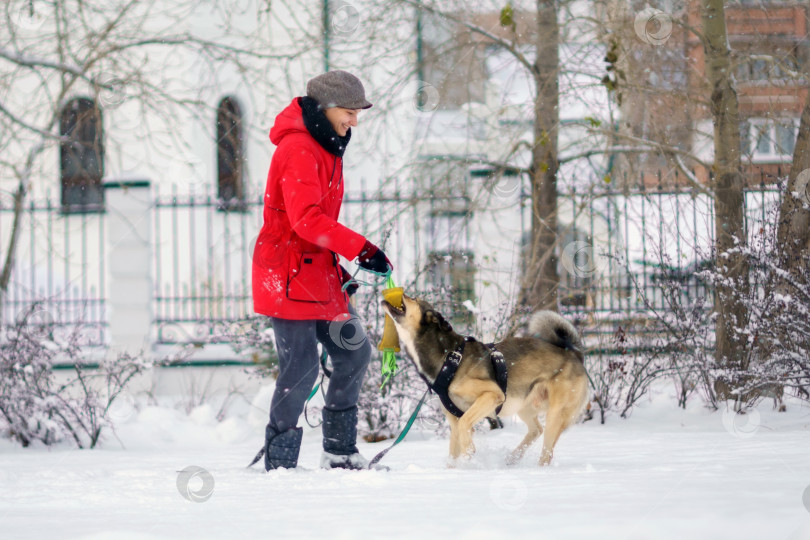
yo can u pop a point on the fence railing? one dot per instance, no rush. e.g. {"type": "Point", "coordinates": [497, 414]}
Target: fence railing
{"type": "Point", "coordinates": [202, 265]}
{"type": "Point", "coordinates": [58, 284]}
{"type": "Point", "coordinates": [628, 243]}
{"type": "Point", "coordinates": [462, 246]}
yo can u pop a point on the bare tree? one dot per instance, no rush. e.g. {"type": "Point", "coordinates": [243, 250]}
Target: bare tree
{"type": "Point", "coordinates": [532, 37]}
{"type": "Point", "coordinates": [542, 272]}
{"type": "Point", "coordinates": [142, 60]}
{"type": "Point", "coordinates": [793, 233]}
{"type": "Point", "coordinates": [727, 185]}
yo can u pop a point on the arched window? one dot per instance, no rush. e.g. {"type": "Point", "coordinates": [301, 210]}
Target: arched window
{"type": "Point", "coordinates": [230, 152]}
{"type": "Point", "coordinates": [81, 156]}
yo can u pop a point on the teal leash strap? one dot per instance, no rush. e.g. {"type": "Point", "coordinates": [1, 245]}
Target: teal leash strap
{"type": "Point", "coordinates": [402, 433]}
{"type": "Point", "coordinates": [324, 354]}
{"type": "Point", "coordinates": [361, 282]}
{"type": "Point", "coordinates": [311, 395]}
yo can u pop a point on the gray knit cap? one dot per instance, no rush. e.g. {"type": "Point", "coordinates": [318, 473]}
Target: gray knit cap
{"type": "Point", "coordinates": [338, 89]}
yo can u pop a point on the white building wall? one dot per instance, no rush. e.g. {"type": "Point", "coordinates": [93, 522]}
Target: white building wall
{"type": "Point", "coordinates": [172, 145]}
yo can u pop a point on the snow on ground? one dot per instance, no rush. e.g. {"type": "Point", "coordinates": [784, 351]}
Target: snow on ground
{"type": "Point", "coordinates": [664, 473]}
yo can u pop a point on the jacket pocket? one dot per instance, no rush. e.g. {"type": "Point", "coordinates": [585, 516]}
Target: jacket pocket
{"type": "Point", "coordinates": [308, 277]}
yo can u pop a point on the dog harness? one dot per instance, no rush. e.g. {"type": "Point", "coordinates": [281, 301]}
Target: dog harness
{"type": "Point", "coordinates": [451, 362]}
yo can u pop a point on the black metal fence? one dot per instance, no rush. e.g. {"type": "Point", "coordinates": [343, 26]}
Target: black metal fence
{"type": "Point", "coordinates": [617, 245]}
{"type": "Point", "coordinates": [202, 274]}
{"type": "Point", "coordinates": [58, 284]}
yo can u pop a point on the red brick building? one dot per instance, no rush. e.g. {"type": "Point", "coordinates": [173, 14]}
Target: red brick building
{"type": "Point", "coordinates": [770, 63]}
{"type": "Point", "coordinates": [665, 93]}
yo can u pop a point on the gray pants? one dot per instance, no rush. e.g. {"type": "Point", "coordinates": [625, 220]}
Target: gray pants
{"type": "Point", "coordinates": [296, 343]}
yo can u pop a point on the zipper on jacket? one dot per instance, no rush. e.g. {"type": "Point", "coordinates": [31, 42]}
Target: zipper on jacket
{"type": "Point", "coordinates": [334, 166]}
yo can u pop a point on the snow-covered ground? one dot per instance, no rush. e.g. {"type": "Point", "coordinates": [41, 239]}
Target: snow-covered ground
{"type": "Point", "coordinates": [664, 473]}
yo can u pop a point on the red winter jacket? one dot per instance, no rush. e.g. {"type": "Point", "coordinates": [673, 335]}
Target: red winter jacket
{"type": "Point", "coordinates": [295, 269]}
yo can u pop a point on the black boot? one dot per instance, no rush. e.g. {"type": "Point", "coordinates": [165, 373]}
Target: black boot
{"type": "Point", "coordinates": [340, 439]}
{"type": "Point", "coordinates": [281, 449]}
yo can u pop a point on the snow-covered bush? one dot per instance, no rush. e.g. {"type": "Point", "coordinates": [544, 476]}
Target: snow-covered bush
{"type": "Point", "coordinates": [776, 330]}
{"type": "Point", "coordinates": [253, 338]}
{"type": "Point", "coordinates": [623, 372]}
{"type": "Point", "coordinates": [35, 407]}
{"type": "Point", "coordinates": [669, 339]}
{"type": "Point", "coordinates": [384, 410]}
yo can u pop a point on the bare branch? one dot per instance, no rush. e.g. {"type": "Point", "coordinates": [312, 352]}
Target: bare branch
{"type": "Point", "coordinates": [693, 180]}
{"type": "Point", "coordinates": [33, 62]}
{"type": "Point", "coordinates": [29, 127]}
{"type": "Point", "coordinates": [186, 39]}
{"type": "Point", "coordinates": [476, 29]}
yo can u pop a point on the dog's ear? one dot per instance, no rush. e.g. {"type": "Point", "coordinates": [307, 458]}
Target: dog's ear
{"type": "Point", "coordinates": [429, 316]}
{"type": "Point", "coordinates": [434, 317]}
{"type": "Point", "coordinates": [443, 324]}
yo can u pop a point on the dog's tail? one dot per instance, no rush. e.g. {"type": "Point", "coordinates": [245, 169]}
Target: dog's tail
{"type": "Point", "coordinates": [550, 327]}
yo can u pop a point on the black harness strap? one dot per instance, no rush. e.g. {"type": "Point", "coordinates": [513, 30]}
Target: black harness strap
{"type": "Point", "coordinates": [451, 362]}
{"type": "Point", "coordinates": [445, 377]}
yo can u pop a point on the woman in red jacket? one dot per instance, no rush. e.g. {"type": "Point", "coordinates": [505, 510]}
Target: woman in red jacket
{"type": "Point", "coordinates": [297, 278]}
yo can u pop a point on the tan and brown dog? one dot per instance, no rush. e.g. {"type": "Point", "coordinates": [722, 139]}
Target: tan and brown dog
{"type": "Point", "coordinates": [545, 374]}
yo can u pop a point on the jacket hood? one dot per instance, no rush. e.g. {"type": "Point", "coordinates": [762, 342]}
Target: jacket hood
{"type": "Point", "coordinates": [321, 129]}
{"type": "Point", "coordinates": [288, 121]}
{"type": "Point", "coordinates": [304, 115]}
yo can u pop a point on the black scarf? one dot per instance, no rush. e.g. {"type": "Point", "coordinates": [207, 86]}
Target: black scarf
{"type": "Point", "coordinates": [321, 128]}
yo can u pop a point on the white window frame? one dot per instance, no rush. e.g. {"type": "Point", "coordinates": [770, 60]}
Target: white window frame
{"type": "Point", "coordinates": [755, 127]}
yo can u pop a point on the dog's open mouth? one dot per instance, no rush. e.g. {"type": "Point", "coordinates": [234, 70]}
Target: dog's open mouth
{"type": "Point", "coordinates": [393, 311]}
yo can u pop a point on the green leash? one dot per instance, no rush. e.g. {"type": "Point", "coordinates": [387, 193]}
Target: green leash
{"type": "Point", "coordinates": [326, 373]}
{"type": "Point", "coordinates": [389, 357]}
{"type": "Point", "coordinates": [402, 433]}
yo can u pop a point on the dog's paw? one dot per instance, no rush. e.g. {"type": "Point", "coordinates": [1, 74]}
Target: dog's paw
{"type": "Point", "coordinates": [514, 458]}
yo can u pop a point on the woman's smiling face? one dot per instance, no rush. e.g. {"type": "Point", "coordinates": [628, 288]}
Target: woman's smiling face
{"type": "Point", "coordinates": [342, 119]}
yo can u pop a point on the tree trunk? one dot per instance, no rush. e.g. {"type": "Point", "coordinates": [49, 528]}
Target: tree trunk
{"type": "Point", "coordinates": [728, 183]}
{"type": "Point", "coordinates": [793, 229]}
{"type": "Point", "coordinates": [8, 264]}
{"type": "Point", "coordinates": [543, 279]}
{"type": "Point", "coordinates": [793, 233]}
